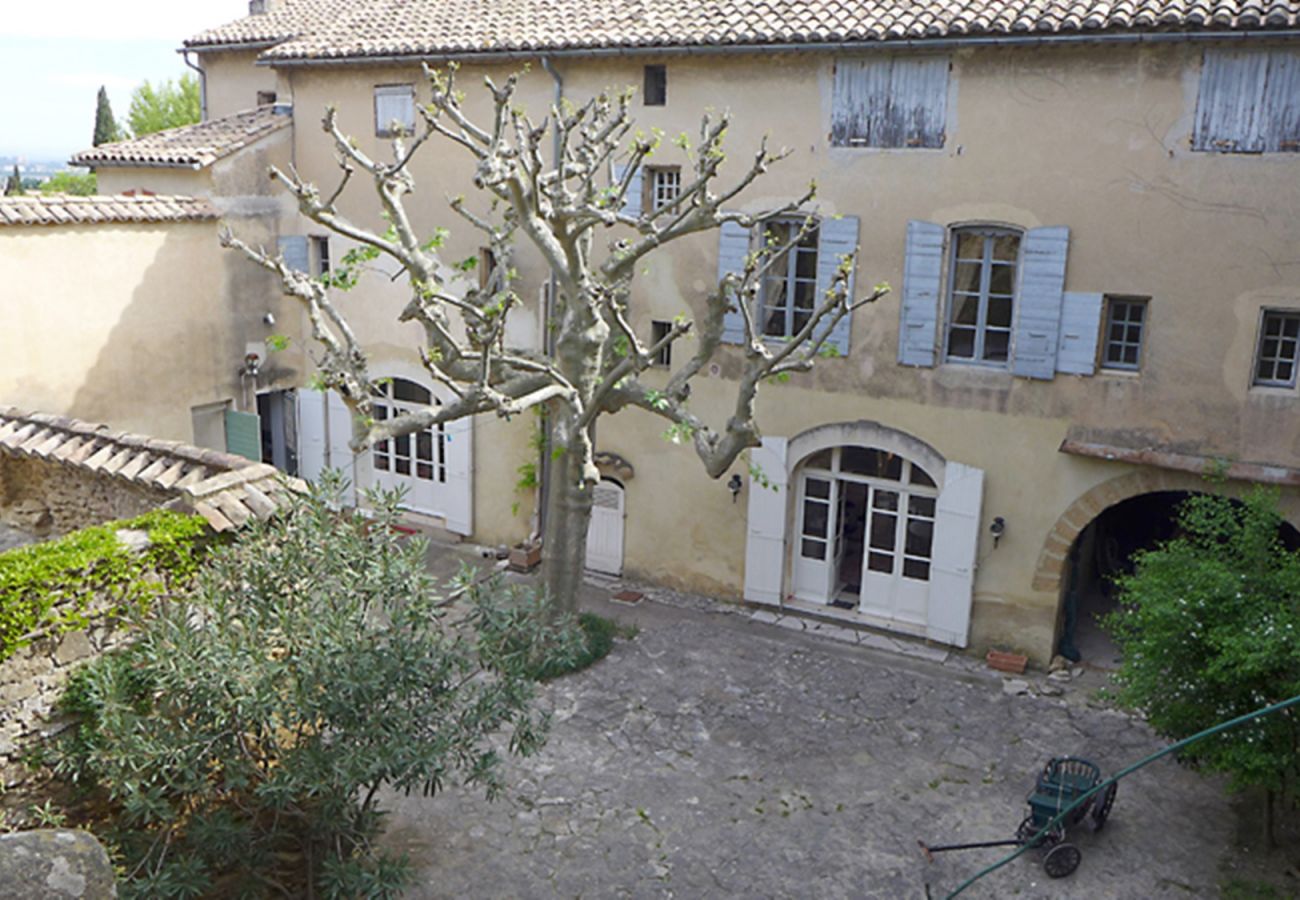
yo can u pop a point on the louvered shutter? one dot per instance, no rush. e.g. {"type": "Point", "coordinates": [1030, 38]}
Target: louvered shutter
{"type": "Point", "coordinates": [952, 565]}
{"type": "Point", "coordinates": [918, 317]}
{"type": "Point", "coordinates": [733, 247]}
{"type": "Point", "coordinates": [1076, 353]}
{"type": "Point", "coordinates": [631, 200]}
{"type": "Point", "coordinates": [1038, 301]}
{"type": "Point", "coordinates": [293, 247]}
{"type": "Point", "coordinates": [765, 525]}
{"type": "Point", "coordinates": [836, 239]}
{"type": "Point", "coordinates": [244, 434]}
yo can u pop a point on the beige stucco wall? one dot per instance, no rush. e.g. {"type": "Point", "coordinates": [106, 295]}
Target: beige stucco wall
{"type": "Point", "coordinates": [1095, 138]}
{"type": "Point", "coordinates": [233, 80]}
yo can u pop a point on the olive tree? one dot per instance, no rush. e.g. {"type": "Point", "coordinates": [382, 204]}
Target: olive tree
{"type": "Point", "coordinates": [570, 209]}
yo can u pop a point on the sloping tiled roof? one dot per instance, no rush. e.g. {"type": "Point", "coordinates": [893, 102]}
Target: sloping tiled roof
{"type": "Point", "coordinates": [367, 28]}
{"type": "Point", "coordinates": [226, 490]}
{"type": "Point", "coordinates": [67, 209]}
{"type": "Point", "coordinates": [190, 146]}
{"type": "Point", "coordinates": [289, 19]}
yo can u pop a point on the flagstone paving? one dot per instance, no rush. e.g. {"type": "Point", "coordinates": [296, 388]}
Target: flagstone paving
{"type": "Point", "coordinates": [714, 755]}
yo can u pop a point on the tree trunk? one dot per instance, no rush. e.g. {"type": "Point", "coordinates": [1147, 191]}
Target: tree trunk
{"type": "Point", "coordinates": [564, 545]}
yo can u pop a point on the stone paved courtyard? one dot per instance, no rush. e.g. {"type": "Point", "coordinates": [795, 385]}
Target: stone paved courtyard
{"type": "Point", "coordinates": [719, 756]}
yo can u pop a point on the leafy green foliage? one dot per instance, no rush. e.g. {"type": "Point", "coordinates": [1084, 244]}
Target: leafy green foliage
{"type": "Point", "coordinates": [597, 640]}
{"type": "Point", "coordinates": [106, 130]}
{"type": "Point", "coordinates": [82, 184]}
{"type": "Point", "coordinates": [1210, 628]}
{"type": "Point", "coordinates": [46, 587]}
{"type": "Point", "coordinates": [167, 105]}
{"type": "Point", "coordinates": [240, 743]}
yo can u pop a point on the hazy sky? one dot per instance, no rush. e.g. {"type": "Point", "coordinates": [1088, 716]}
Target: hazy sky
{"type": "Point", "coordinates": [55, 55]}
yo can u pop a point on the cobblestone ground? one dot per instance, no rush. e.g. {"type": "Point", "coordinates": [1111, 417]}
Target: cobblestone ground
{"type": "Point", "coordinates": [718, 756]}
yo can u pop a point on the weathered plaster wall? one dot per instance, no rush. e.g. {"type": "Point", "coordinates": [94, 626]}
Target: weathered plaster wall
{"type": "Point", "coordinates": [233, 80]}
{"type": "Point", "coordinates": [1095, 138]}
{"type": "Point", "coordinates": [49, 501]}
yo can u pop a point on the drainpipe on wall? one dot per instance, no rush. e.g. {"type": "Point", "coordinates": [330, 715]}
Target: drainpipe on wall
{"type": "Point", "coordinates": [548, 344]}
{"type": "Point", "coordinates": [203, 84]}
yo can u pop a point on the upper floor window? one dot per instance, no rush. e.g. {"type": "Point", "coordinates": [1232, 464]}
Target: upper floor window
{"type": "Point", "coordinates": [1125, 326]}
{"type": "Point", "coordinates": [266, 98]}
{"type": "Point", "coordinates": [890, 101]}
{"type": "Point", "coordinates": [662, 186]}
{"type": "Point", "coordinates": [1276, 356]}
{"type": "Point", "coordinates": [321, 251]}
{"type": "Point", "coordinates": [982, 289]}
{"type": "Point", "coordinates": [658, 331]}
{"type": "Point", "coordinates": [1249, 101]}
{"type": "Point", "coordinates": [656, 86]}
{"type": "Point", "coordinates": [394, 109]}
{"type": "Point", "coordinates": [789, 289]}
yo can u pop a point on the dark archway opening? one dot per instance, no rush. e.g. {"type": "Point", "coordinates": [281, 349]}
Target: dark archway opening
{"type": "Point", "coordinates": [1105, 550]}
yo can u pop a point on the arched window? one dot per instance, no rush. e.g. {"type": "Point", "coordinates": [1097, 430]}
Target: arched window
{"type": "Point", "coordinates": [421, 455]}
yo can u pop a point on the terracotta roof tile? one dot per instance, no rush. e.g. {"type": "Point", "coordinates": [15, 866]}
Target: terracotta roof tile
{"type": "Point", "coordinates": [226, 490]}
{"type": "Point", "coordinates": [66, 209]}
{"type": "Point", "coordinates": [323, 30]}
{"type": "Point", "coordinates": [190, 146]}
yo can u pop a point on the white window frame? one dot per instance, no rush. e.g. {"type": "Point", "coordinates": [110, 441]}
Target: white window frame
{"type": "Point", "coordinates": [1278, 358]}
{"type": "Point", "coordinates": [383, 122]}
{"type": "Point", "coordinates": [658, 331]}
{"type": "Point", "coordinates": [387, 454]}
{"type": "Point", "coordinates": [983, 294]}
{"type": "Point", "coordinates": [663, 185]}
{"type": "Point", "coordinates": [1134, 332]}
{"type": "Point", "coordinates": [789, 280]}
{"type": "Point", "coordinates": [320, 246]}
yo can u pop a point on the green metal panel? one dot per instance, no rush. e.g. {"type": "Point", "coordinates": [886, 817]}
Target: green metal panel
{"type": "Point", "coordinates": [244, 435]}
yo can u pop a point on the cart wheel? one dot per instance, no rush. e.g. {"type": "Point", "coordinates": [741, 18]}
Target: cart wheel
{"type": "Point", "coordinates": [1101, 808]}
{"type": "Point", "coordinates": [1028, 827]}
{"type": "Point", "coordinates": [1061, 860]}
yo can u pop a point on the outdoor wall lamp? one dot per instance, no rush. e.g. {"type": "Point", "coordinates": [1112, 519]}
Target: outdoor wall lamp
{"type": "Point", "coordinates": [252, 365]}
{"type": "Point", "coordinates": [734, 484]}
{"type": "Point", "coordinates": [997, 529]}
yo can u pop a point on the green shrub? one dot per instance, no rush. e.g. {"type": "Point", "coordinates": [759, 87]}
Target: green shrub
{"type": "Point", "coordinates": [239, 745]}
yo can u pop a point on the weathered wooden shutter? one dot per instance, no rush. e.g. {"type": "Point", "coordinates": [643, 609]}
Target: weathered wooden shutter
{"type": "Point", "coordinates": [836, 238]}
{"type": "Point", "coordinates": [311, 433]}
{"type": "Point", "coordinates": [338, 426]}
{"type": "Point", "coordinates": [1038, 301]}
{"type": "Point", "coordinates": [1229, 105]}
{"type": "Point", "coordinates": [293, 247]}
{"type": "Point", "coordinates": [1076, 353]}
{"type": "Point", "coordinates": [631, 200]}
{"type": "Point", "coordinates": [895, 101]}
{"type": "Point", "coordinates": [458, 496]}
{"type": "Point", "coordinates": [733, 247]}
{"type": "Point", "coordinates": [1281, 103]}
{"type": "Point", "coordinates": [765, 533]}
{"type": "Point", "coordinates": [244, 434]}
{"type": "Point", "coordinates": [918, 317]}
{"type": "Point", "coordinates": [952, 564]}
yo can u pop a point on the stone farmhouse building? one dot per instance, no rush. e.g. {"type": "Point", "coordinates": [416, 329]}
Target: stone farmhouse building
{"type": "Point", "coordinates": [1087, 212]}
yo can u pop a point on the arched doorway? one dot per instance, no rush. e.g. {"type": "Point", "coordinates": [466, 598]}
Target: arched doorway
{"type": "Point", "coordinates": [605, 530]}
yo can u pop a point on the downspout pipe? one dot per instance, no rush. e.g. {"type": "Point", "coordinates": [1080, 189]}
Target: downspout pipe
{"type": "Point", "coordinates": [548, 341]}
{"type": "Point", "coordinates": [203, 83]}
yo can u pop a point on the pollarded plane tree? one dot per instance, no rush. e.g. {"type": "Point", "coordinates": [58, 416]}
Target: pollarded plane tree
{"type": "Point", "coordinates": [564, 207]}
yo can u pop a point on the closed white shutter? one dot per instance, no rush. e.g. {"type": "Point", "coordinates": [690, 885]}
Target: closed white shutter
{"type": "Point", "coordinates": [458, 502]}
{"type": "Point", "coordinates": [394, 104]}
{"type": "Point", "coordinates": [293, 247]}
{"type": "Point", "coordinates": [632, 199]}
{"type": "Point", "coordinates": [836, 239]}
{"type": "Point", "coordinates": [1076, 353]}
{"type": "Point", "coordinates": [733, 247]}
{"type": "Point", "coordinates": [311, 433]}
{"type": "Point", "coordinates": [765, 534]}
{"type": "Point", "coordinates": [338, 420]}
{"type": "Point", "coordinates": [605, 530]}
{"type": "Point", "coordinates": [952, 564]}
{"type": "Point", "coordinates": [1038, 302]}
{"type": "Point", "coordinates": [918, 317]}
{"type": "Point", "coordinates": [1230, 117]}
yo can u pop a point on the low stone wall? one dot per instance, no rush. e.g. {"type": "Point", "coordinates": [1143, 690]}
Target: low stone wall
{"type": "Point", "coordinates": [49, 500]}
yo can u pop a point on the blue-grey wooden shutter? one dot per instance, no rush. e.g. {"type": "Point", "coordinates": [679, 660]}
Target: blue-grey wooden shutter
{"type": "Point", "coordinates": [1281, 103]}
{"type": "Point", "coordinates": [836, 238]}
{"type": "Point", "coordinates": [918, 316]}
{"type": "Point", "coordinates": [632, 199]}
{"type": "Point", "coordinates": [244, 434]}
{"type": "Point", "coordinates": [293, 247]}
{"type": "Point", "coordinates": [733, 247]}
{"type": "Point", "coordinates": [1038, 301]}
{"type": "Point", "coordinates": [1076, 352]}
{"type": "Point", "coordinates": [895, 101]}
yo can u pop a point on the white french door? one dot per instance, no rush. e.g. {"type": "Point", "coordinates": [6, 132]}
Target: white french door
{"type": "Point", "coordinates": [416, 462]}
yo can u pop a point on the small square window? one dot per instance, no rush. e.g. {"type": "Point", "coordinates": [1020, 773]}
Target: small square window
{"type": "Point", "coordinates": [394, 109]}
{"type": "Point", "coordinates": [663, 184]}
{"type": "Point", "coordinates": [266, 98]}
{"type": "Point", "coordinates": [659, 331]}
{"type": "Point", "coordinates": [320, 246]}
{"type": "Point", "coordinates": [1126, 321]}
{"type": "Point", "coordinates": [656, 86]}
{"type": "Point", "coordinates": [1276, 355]}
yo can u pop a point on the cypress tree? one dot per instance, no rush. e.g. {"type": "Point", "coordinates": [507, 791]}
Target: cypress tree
{"type": "Point", "coordinates": [14, 185]}
{"type": "Point", "coordinates": [105, 126]}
